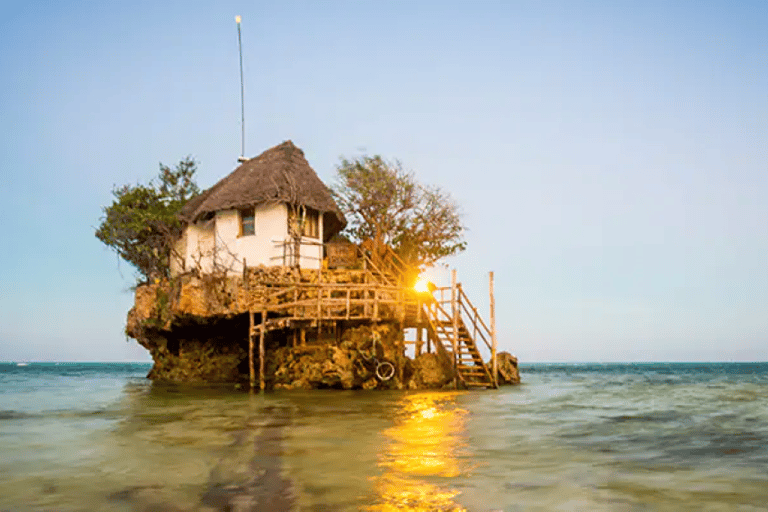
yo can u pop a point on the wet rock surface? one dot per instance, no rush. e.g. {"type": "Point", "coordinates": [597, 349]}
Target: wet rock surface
{"type": "Point", "coordinates": [196, 330]}
{"type": "Point", "coordinates": [430, 372]}
{"type": "Point", "coordinates": [507, 371]}
{"type": "Point", "coordinates": [364, 359]}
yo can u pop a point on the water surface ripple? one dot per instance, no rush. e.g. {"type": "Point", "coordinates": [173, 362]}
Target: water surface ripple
{"type": "Point", "coordinates": [77, 437]}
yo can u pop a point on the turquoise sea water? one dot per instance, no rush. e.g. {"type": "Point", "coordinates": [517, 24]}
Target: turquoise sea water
{"type": "Point", "coordinates": [572, 437]}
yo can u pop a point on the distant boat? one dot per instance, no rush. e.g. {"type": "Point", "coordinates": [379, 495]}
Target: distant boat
{"type": "Point", "coordinates": [22, 364]}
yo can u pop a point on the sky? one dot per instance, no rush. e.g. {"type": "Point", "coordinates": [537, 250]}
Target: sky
{"type": "Point", "coordinates": [610, 158]}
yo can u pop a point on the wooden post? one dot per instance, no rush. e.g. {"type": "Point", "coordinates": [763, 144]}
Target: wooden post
{"type": "Point", "coordinates": [348, 302]}
{"type": "Point", "coordinates": [419, 340]}
{"type": "Point", "coordinates": [303, 337]}
{"type": "Point", "coordinates": [319, 309]}
{"type": "Point", "coordinates": [400, 352]}
{"type": "Point", "coordinates": [403, 306]}
{"type": "Point", "coordinates": [455, 319]}
{"type": "Point", "coordinates": [251, 369]}
{"type": "Point", "coordinates": [429, 339]}
{"type": "Point", "coordinates": [319, 301]}
{"type": "Point", "coordinates": [493, 331]}
{"type": "Point", "coordinates": [418, 309]}
{"type": "Point", "coordinates": [261, 348]}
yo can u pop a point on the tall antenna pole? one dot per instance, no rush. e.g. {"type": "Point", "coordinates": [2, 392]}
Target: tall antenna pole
{"type": "Point", "coordinates": [242, 91]}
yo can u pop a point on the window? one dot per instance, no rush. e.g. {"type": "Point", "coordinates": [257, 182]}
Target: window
{"type": "Point", "coordinates": [247, 222]}
{"type": "Point", "coordinates": [312, 224]}
{"type": "Point", "coordinates": [309, 221]}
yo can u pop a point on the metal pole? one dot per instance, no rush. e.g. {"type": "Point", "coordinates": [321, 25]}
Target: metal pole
{"type": "Point", "coordinates": [494, 364]}
{"type": "Point", "coordinates": [242, 88]}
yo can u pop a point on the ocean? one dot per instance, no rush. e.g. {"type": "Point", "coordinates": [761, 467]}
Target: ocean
{"type": "Point", "coordinates": [619, 437]}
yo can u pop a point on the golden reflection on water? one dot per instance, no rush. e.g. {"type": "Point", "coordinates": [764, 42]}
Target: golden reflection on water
{"type": "Point", "coordinates": [427, 443]}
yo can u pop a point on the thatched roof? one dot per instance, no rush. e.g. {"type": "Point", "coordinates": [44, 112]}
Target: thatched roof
{"type": "Point", "coordinates": [281, 174]}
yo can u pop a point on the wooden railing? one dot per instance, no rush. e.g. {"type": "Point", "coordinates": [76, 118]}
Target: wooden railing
{"type": "Point", "coordinates": [340, 301]}
{"type": "Point", "coordinates": [392, 269]}
{"type": "Point", "coordinates": [436, 331]}
{"type": "Point", "coordinates": [479, 327]}
{"type": "Point", "coordinates": [467, 311]}
{"type": "Point", "coordinates": [384, 293]}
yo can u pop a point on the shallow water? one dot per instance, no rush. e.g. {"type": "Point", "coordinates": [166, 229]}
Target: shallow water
{"type": "Point", "coordinates": [572, 437]}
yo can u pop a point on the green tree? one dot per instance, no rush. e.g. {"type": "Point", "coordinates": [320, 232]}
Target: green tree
{"type": "Point", "coordinates": [142, 224]}
{"type": "Point", "coordinates": [385, 204]}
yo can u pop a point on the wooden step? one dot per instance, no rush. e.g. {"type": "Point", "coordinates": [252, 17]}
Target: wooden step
{"type": "Point", "coordinates": [479, 384]}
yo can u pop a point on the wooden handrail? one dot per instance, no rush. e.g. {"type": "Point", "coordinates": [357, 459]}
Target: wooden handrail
{"type": "Point", "coordinates": [465, 303]}
{"type": "Point", "coordinates": [375, 267]}
{"type": "Point", "coordinates": [396, 261]}
{"type": "Point", "coordinates": [436, 338]}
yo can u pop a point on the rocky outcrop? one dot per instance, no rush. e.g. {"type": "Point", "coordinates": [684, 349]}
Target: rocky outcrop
{"type": "Point", "coordinates": [507, 371]}
{"type": "Point", "coordinates": [196, 330]}
{"type": "Point", "coordinates": [429, 371]}
{"type": "Point", "coordinates": [357, 362]}
{"type": "Point", "coordinates": [201, 350]}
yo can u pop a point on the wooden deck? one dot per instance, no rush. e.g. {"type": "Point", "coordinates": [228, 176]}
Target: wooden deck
{"type": "Point", "coordinates": [380, 292]}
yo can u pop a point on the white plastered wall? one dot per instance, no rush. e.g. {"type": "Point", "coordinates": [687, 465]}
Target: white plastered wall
{"type": "Point", "coordinates": [199, 249]}
{"type": "Point", "coordinates": [216, 244]}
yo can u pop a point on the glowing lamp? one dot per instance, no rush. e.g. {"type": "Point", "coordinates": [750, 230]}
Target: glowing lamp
{"type": "Point", "coordinates": [422, 285]}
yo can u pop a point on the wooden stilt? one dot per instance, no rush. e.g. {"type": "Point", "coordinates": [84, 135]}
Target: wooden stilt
{"type": "Point", "coordinates": [494, 366]}
{"type": "Point", "coordinates": [400, 352]}
{"type": "Point", "coordinates": [303, 336]}
{"type": "Point", "coordinates": [319, 302]}
{"type": "Point", "coordinates": [261, 348]}
{"type": "Point", "coordinates": [251, 369]}
{"type": "Point", "coordinates": [455, 338]}
{"type": "Point", "coordinates": [419, 340]}
{"type": "Point", "coordinates": [429, 338]}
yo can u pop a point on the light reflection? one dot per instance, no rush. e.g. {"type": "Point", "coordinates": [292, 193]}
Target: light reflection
{"type": "Point", "coordinates": [422, 285]}
{"type": "Point", "coordinates": [426, 444]}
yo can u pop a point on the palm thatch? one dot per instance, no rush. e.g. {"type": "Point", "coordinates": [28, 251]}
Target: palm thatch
{"type": "Point", "coordinates": [279, 174]}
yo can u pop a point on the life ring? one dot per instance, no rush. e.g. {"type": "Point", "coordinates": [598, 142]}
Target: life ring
{"type": "Point", "coordinates": [385, 371]}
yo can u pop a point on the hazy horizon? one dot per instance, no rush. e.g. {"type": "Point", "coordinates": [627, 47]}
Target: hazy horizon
{"type": "Point", "coordinates": [610, 158]}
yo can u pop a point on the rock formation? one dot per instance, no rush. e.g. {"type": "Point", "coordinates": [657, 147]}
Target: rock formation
{"type": "Point", "coordinates": [507, 371]}
{"type": "Point", "coordinates": [197, 330]}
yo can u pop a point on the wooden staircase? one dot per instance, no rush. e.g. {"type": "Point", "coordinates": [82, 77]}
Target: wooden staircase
{"type": "Point", "coordinates": [446, 323]}
{"type": "Point", "coordinates": [456, 345]}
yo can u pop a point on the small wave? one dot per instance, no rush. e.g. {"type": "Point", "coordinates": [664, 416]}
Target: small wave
{"type": "Point", "coordinates": [61, 413]}
{"type": "Point", "coordinates": [657, 416]}
{"type": "Point", "coordinates": [13, 415]}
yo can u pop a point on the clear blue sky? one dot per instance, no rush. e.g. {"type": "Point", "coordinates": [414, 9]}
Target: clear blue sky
{"type": "Point", "coordinates": [611, 157]}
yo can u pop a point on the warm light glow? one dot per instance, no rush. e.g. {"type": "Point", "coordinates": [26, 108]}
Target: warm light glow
{"type": "Point", "coordinates": [422, 285]}
{"type": "Point", "coordinates": [426, 448]}
{"type": "Point", "coordinates": [238, 19]}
